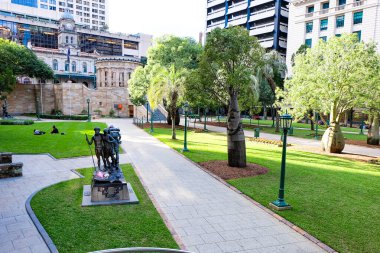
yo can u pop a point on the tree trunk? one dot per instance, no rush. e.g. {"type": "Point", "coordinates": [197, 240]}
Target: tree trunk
{"type": "Point", "coordinates": [277, 122]}
{"type": "Point", "coordinates": [174, 136]}
{"type": "Point", "coordinates": [373, 132]}
{"type": "Point", "coordinates": [346, 116]}
{"type": "Point", "coordinates": [265, 113]}
{"type": "Point", "coordinates": [333, 140]}
{"type": "Point", "coordinates": [351, 117]}
{"type": "Point", "coordinates": [235, 135]}
{"type": "Point", "coordinates": [311, 125]}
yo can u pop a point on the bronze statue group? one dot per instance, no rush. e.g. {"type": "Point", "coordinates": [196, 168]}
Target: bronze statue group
{"type": "Point", "coordinates": [106, 148]}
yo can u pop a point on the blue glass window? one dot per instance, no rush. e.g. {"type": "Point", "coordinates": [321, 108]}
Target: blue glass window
{"type": "Point", "coordinates": [341, 2]}
{"type": "Point", "coordinates": [358, 17]}
{"type": "Point", "coordinates": [55, 64]}
{"type": "Point", "coordinates": [309, 27]}
{"type": "Point", "coordinates": [43, 6]}
{"type": "Point", "coordinates": [67, 66]}
{"type": "Point", "coordinates": [359, 34]}
{"type": "Point", "coordinates": [84, 67]}
{"type": "Point", "coordinates": [340, 21]}
{"type": "Point", "coordinates": [324, 24]}
{"type": "Point", "coordinates": [310, 9]}
{"type": "Point", "coordinates": [30, 3]}
{"type": "Point", "coordinates": [308, 42]}
{"type": "Point", "coordinates": [324, 38]}
{"type": "Point", "coordinates": [325, 5]}
{"type": "Point", "coordinates": [74, 66]}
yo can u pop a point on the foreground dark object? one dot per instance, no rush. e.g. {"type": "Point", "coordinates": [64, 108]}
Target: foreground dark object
{"type": "Point", "coordinates": [8, 168]}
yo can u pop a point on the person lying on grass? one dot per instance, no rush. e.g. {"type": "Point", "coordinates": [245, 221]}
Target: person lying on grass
{"type": "Point", "coordinates": [38, 132]}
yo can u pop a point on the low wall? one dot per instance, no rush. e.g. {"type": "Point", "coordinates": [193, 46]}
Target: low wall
{"type": "Point", "coordinates": [70, 98]}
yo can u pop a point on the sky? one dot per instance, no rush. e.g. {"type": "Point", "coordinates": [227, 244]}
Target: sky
{"type": "Point", "coordinates": [184, 18]}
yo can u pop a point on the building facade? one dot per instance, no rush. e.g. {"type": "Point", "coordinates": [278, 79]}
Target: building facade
{"type": "Point", "coordinates": [87, 63]}
{"type": "Point", "coordinates": [311, 21]}
{"type": "Point", "coordinates": [90, 14]}
{"type": "Point", "coordinates": [265, 19]}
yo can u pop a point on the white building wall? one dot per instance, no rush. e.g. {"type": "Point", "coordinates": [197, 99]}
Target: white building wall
{"type": "Point", "coordinates": [298, 17]}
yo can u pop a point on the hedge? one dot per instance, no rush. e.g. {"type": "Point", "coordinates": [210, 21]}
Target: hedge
{"type": "Point", "coordinates": [68, 117]}
{"type": "Point", "coordinates": [16, 122]}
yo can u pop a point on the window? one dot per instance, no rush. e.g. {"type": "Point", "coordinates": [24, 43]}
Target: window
{"type": "Point", "coordinates": [67, 66]}
{"type": "Point", "coordinates": [72, 40]}
{"type": "Point", "coordinates": [325, 5]}
{"type": "Point", "coordinates": [84, 67]}
{"type": "Point", "coordinates": [309, 27]}
{"type": "Point", "coordinates": [44, 6]}
{"type": "Point", "coordinates": [341, 2]}
{"type": "Point", "coordinates": [324, 24]}
{"type": "Point", "coordinates": [358, 17]}
{"type": "Point", "coordinates": [30, 3]}
{"type": "Point", "coordinates": [308, 42]}
{"type": "Point", "coordinates": [340, 21]}
{"type": "Point", "coordinates": [67, 39]}
{"type": "Point", "coordinates": [310, 9]}
{"type": "Point", "coordinates": [359, 34]}
{"type": "Point", "coordinates": [55, 64]}
{"type": "Point", "coordinates": [74, 67]}
{"type": "Point", "coordinates": [324, 38]}
{"type": "Point", "coordinates": [338, 35]}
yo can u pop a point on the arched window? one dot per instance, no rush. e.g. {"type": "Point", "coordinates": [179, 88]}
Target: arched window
{"type": "Point", "coordinates": [72, 40]}
{"type": "Point", "coordinates": [74, 66]}
{"type": "Point", "coordinates": [27, 81]}
{"type": "Point", "coordinates": [67, 66]}
{"type": "Point", "coordinates": [67, 39]}
{"type": "Point", "coordinates": [84, 67]}
{"type": "Point", "coordinates": [55, 64]}
{"type": "Point", "coordinates": [105, 78]}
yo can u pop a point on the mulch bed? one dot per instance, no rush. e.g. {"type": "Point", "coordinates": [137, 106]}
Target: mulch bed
{"type": "Point", "coordinates": [222, 170]}
{"type": "Point", "coordinates": [361, 143]}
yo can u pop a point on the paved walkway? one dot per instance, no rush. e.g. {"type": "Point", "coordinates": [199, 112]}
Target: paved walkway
{"type": "Point", "coordinates": [349, 149]}
{"type": "Point", "coordinates": [17, 232]}
{"type": "Point", "coordinates": [206, 214]}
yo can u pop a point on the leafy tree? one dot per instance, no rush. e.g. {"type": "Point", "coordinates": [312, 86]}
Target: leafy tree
{"type": "Point", "coordinates": [17, 60]}
{"type": "Point", "coordinates": [372, 97]}
{"type": "Point", "coordinates": [329, 79]}
{"type": "Point", "coordinates": [226, 69]}
{"type": "Point", "coordinates": [170, 63]}
{"type": "Point", "coordinates": [138, 85]}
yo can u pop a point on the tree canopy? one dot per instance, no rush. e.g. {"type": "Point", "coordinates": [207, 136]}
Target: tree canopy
{"type": "Point", "coordinates": [17, 60]}
{"type": "Point", "coordinates": [329, 79]}
{"type": "Point", "coordinates": [227, 69]}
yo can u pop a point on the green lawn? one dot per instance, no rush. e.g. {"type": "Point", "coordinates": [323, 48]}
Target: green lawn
{"type": "Point", "coordinates": [82, 229]}
{"type": "Point", "coordinates": [335, 200]}
{"type": "Point", "coordinates": [20, 139]}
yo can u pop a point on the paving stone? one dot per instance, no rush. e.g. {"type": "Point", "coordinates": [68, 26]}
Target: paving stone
{"type": "Point", "coordinates": [41, 248]}
{"type": "Point", "coordinates": [231, 246]}
{"type": "Point", "coordinates": [248, 244]}
{"type": "Point", "coordinates": [211, 238]}
{"type": "Point", "coordinates": [208, 248]}
{"type": "Point", "coordinates": [6, 247]}
{"type": "Point", "coordinates": [27, 242]}
{"type": "Point", "coordinates": [192, 240]}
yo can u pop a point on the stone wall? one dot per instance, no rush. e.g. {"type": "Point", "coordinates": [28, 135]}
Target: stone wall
{"type": "Point", "coordinates": [70, 98]}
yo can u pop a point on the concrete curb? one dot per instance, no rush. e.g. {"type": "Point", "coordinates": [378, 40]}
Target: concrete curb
{"type": "Point", "coordinates": [267, 210]}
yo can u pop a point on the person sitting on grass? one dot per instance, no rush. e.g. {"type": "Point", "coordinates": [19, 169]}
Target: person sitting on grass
{"type": "Point", "coordinates": [55, 130]}
{"type": "Point", "coordinates": [38, 132]}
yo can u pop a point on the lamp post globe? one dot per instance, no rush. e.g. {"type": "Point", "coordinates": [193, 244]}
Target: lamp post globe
{"type": "Point", "coordinates": [280, 204]}
{"type": "Point", "coordinates": [88, 110]}
{"type": "Point", "coordinates": [186, 108]}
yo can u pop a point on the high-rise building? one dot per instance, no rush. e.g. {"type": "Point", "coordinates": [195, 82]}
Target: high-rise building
{"type": "Point", "coordinates": [311, 21]}
{"type": "Point", "coordinates": [87, 13]}
{"type": "Point", "coordinates": [265, 19]}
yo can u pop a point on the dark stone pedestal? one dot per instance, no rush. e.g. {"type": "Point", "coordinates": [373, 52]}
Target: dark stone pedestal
{"type": "Point", "coordinates": [7, 168]}
{"type": "Point", "coordinates": [108, 189]}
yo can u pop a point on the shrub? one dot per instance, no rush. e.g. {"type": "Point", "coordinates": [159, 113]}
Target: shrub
{"type": "Point", "coordinates": [16, 122]}
{"type": "Point", "coordinates": [64, 117]}
{"type": "Point", "coordinates": [112, 113]}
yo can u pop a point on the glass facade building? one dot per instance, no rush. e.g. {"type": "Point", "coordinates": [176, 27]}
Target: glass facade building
{"type": "Point", "coordinates": [29, 3]}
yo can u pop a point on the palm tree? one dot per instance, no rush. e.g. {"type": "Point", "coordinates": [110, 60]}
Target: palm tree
{"type": "Point", "coordinates": [168, 84]}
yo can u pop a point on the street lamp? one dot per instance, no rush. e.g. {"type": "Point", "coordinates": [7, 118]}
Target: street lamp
{"type": "Point", "coordinates": [88, 110]}
{"type": "Point", "coordinates": [186, 108]}
{"type": "Point", "coordinates": [147, 112]}
{"type": "Point", "coordinates": [280, 204]}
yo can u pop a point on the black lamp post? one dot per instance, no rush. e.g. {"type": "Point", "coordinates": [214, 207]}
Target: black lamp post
{"type": "Point", "coordinates": [186, 108]}
{"type": "Point", "coordinates": [147, 112]}
{"type": "Point", "coordinates": [280, 204]}
{"type": "Point", "coordinates": [88, 110]}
